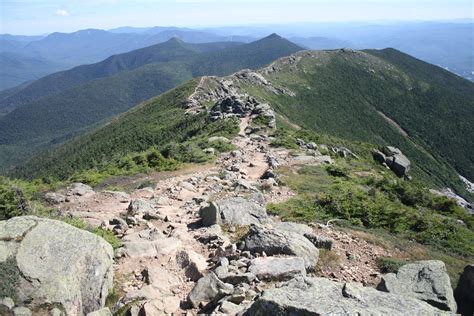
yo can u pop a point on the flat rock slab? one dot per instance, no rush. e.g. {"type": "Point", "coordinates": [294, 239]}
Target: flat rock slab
{"type": "Point", "coordinates": [136, 249]}
{"type": "Point", "coordinates": [276, 242]}
{"type": "Point", "coordinates": [319, 296]}
{"type": "Point", "coordinates": [277, 268]}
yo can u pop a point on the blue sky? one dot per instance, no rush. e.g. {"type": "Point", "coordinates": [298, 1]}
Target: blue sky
{"type": "Point", "coordinates": [38, 17]}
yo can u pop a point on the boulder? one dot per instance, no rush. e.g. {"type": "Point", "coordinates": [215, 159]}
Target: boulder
{"type": "Point", "coordinates": [379, 156]}
{"type": "Point", "coordinates": [396, 160]}
{"type": "Point", "coordinates": [276, 242]}
{"type": "Point", "coordinates": [160, 279]}
{"type": "Point", "coordinates": [54, 198]}
{"type": "Point", "coordinates": [139, 207]}
{"type": "Point", "coordinates": [79, 189]}
{"type": "Point", "coordinates": [425, 280]}
{"type": "Point", "coordinates": [464, 292]}
{"type": "Point", "coordinates": [320, 241]}
{"type": "Point", "coordinates": [229, 308]}
{"type": "Point", "coordinates": [233, 211]}
{"type": "Point", "coordinates": [277, 268]}
{"type": "Point", "coordinates": [320, 296]}
{"type": "Point", "coordinates": [209, 289]}
{"type": "Point", "coordinates": [53, 264]}
{"type": "Point", "coordinates": [193, 264]}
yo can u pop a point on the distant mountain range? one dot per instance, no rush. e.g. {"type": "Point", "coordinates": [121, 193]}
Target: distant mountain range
{"type": "Point", "coordinates": [59, 106]}
{"type": "Point", "coordinates": [448, 45]}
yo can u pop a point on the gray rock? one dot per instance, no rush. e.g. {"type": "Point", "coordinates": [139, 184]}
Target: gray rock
{"type": "Point", "coordinates": [320, 241]}
{"type": "Point", "coordinates": [188, 186]}
{"type": "Point", "coordinates": [209, 289]}
{"type": "Point", "coordinates": [213, 233]}
{"type": "Point", "coordinates": [379, 156]}
{"type": "Point", "coordinates": [233, 211]}
{"type": "Point", "coordinates": [464, 292]}
{"type": "Point", "coordinates": [424, 280]}
{"type": "Point", "coordinates": [396, 161]}
{"type": "Point", "coordinates": [58, 264]}
{"type": "Point", "coordinates": [79, 189]}
{"type": "Point", "coordinates": [238, 278]}
{"type": "Point", "coordinates": [54, 198]}
{"type": "Point", "coordinates": [229, 308]}
{"type": "Point", "coordinates": [119, 222]}
{"type": "Point", "coordinates": [21, 311]}
{"type": "Point", "coordinates": [277, 268]}
{"type": "Point", "coordinates": [276, 242]}
{"type": "Point", "coordinates": [319, 296]}
{"type": "Point", "coordinates": [7, 302]}
{"type": "Point", "coordinates": [139, 206]}
{"type": "Point", "coordinates": [293, 227]}
{"type": "Point", "coordinates": [193, 264]}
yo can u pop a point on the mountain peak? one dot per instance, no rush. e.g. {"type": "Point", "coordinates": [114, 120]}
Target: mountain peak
{"type": "Point", "coordinates": [273, 36]}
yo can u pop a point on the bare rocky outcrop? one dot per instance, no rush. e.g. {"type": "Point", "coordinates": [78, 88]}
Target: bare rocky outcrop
{"type": "Point", "coordinates": [53, 264]}
{"type": "Point", "coordinates": [425, 280]}
{"type": "Point", "coordinates": [319, 296]}
{"type": "Point", "coordinates": [393, 158]}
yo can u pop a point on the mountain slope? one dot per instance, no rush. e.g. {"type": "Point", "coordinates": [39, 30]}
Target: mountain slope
{"type": "Point", "coordinates": [50, 120]}
{"type": "Point", "coordinates": [349, 94]}
{"type": "Point", "coordinates": [16, 69]}
{"type": "Point", "coordinates": [58, 82]}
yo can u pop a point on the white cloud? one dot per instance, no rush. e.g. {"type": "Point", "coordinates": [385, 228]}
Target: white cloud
{"type": "Point", "coordinates": [61, 12]}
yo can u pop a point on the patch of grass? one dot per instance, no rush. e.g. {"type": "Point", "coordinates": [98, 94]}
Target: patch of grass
{"type": "Point", "coordinates": [389, 265]}
{"type": "Point", "coordinates": [327, 258]}
{"type": "Point", "coordinates": [108, 236]}
{"type": "Point", "coordinates": [406, 209]}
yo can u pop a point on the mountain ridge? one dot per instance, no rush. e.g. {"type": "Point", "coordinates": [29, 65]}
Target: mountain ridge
{"type": "Point", "coordinates": [96, 100]}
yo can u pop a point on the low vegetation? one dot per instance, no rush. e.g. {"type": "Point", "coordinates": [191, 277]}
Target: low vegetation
{"type": "Point", "coordinates": [19, 198]}
{"type": "Point", "coordinates": [360, 193]}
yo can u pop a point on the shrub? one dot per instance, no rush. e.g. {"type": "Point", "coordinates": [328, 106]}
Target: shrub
{"type": "Point", "coordinates": [389, 265]}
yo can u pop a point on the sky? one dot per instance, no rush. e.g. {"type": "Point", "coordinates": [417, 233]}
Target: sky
{"type": "Point", "coordinates": [34, 17]}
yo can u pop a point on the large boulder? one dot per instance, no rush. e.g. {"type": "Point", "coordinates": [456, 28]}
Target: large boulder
{"type": "Point", "coordinates": [209, 289]}
{"type": "Point", "coordinates": [233, 211]}
{"type": "Point", "coordinates": [319, 296]}
{"type": "Point", "coordinates": [424, 280]}
{"type": "Point", "coordinates": [79, 189]}
{"type": "Point", "coordinates": [47, 263]}
{"type": "Point", "coordinates": [277, 268]}
{"type": "Point", "coordinates": [276, 242]}
{"type": "Point", "coordinates": [396, 160]}
{"type": "Point", "coordinates": [464, 292]}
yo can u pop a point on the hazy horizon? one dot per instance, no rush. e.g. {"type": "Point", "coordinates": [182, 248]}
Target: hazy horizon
{"type": "Point", "coordinates": [33, 18]}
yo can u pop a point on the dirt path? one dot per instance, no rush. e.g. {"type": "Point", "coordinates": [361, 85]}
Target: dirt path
{"type": "Point", "coordinates": [160, 249]}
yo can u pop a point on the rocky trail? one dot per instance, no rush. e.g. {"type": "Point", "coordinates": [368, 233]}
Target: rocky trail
{"type": "Point", "coordinates": [200, 240]}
